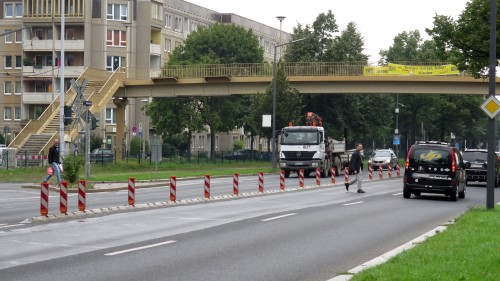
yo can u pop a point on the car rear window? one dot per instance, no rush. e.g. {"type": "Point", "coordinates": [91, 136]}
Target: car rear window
{"type": "Point", "coordinates": [434, 156]}
{"type": "Point", "coordinates": [473, 156]}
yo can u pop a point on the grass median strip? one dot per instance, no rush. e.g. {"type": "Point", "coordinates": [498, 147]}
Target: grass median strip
{"type": "Point", "coordinates": [467, 250]}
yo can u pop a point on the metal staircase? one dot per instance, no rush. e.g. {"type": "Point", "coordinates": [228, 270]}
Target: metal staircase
{"type": "Point", "coordinates": [36, 137]}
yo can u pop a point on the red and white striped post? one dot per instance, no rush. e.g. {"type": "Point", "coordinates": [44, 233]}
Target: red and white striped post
{"type": "Point", "coordinates": [63, 196]}
{"type": "Point", "coordinates": [82, 184]}
{"type": "Point", "coordinates": [44, 199]}
{"type": "Point", "coordinates": [282, 180]}
{"type": "Point", "coordinates": [173, 188]}
{"type": "Point", "coordinates": [380, 172]}
{"type": "Point", "coordinates": [318, 176]}
{"type": "Point", "coordinates": [131, 191]}
{"type": "Point", "coordinates": [346, 174]}
{"type": "Point", "coordinates": [236, 184]}
{"type": "Point", "coordinates": [206, 187]}
{"type": "Point", "coordinates": [370, 172]}
{"type": "Point", "coordinates": [389, 170]}
{"type": "Point", "coordinates": [398, 170]}
{"type": "Point", "coordinates": [301, 178]}
{"type": "Point", "coordinates": [333, 175]}
{"type": "Point", "coordinates": [261, 182]}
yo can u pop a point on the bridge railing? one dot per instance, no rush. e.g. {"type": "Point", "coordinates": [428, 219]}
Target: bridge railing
{"type": "Point", "coordinates": [306, 69]}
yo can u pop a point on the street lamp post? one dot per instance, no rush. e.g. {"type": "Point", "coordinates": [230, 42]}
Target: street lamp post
{"type": "Point", "coordinates": [280, 18]}
{"type": "Point", "coordinates": [273, 144]}
{"type": "Point", "coordinates": [145, 129]}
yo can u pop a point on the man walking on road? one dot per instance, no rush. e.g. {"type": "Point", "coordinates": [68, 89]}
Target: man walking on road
{"type": "Point", "coordinates": [356, 165]}
{"type": "Point", "coordinates": [54, 161]}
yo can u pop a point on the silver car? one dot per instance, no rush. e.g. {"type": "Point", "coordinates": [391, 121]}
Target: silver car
{"type": "Point", "coordinates": [383, 157]}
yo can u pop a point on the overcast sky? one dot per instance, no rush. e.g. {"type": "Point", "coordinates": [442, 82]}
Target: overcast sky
{"type": "Point", "coordinates": [378, 21]}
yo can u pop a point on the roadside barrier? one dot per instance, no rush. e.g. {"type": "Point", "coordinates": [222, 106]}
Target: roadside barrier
{"type": "Point", "coordinates": [333, 175]}
{"type": "Point", "coordinates": [236, 184]}
{"type": "Point", "coordinates": [398, 170]}
{"type": "Point", "coordinates": [173, 188]}
{"type": "Point", "coordinates": [207, 187]}
{"type": "Point", "coordinates": [63, 196]}
{"type": "Point", "coordinates": [131, 191]}
{"type": "Point", "coordinates": [44, 199]}
{"type": "Point", "coordinates": [346, 174]}
{"type": "Point", "coordinates": [380, 172]}
{"type": "Point", "coordinates": [370, 172]}
{"type": "Point", "coordinates": [82, 184]}
{"type": "Point", "coordinates": [261, 182]}
{"type": "Point", "coordinates": [301, 178]}
{"type": "Point", "coordinates": [389, 170]}
{"type": "Point", "coordinates": [282, 180]}
{"type": "Point", "coordinates": [318, 176]}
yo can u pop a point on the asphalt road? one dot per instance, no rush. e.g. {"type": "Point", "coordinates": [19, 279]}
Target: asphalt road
{"type": "Point", "coordinates": [306, 235]}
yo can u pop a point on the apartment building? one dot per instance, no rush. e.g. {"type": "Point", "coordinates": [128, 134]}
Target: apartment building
{"type": "Point", "coordinates": [39, 55]}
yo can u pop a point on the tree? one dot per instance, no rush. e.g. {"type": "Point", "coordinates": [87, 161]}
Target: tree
{"type": "Point", "coordinates": [217, 44]}
{"type": "Point", "coordinates": [465, 42]}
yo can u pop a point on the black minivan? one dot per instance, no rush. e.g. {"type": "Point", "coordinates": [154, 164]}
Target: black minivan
{"type": "Point", "coordinates": [434, 167]}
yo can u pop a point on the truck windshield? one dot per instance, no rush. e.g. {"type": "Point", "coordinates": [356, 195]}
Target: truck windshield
{"type": "Point", "coordinates": [311, 138]}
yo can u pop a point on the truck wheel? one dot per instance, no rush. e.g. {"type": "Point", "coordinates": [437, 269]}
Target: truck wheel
{"type": "Point", "coordinates": [287, 173]}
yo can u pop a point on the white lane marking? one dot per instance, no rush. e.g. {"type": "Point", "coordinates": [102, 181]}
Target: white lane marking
{"type": "Point", "coordinates": [353, 203]}
{"type": "Point", "coordinates": [10, 225]}
{"type": "Point", "coordinates": [279, 217]}
{"type": "Point", "coordinates": [140, 248]}
{"type": "Point", "coordinates": [2, 224]}
{"type": "Point", "coordinates": [397, 194]}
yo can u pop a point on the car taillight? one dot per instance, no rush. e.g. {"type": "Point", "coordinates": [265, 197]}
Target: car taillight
{"type": "Point", "coordinates": [453, 162]}
{"type": "Point", "coordinates": [407, 165]}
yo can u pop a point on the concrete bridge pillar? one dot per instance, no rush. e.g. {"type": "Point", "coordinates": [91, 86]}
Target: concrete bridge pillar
{"type": "Point", "coordinates": [121, 104]}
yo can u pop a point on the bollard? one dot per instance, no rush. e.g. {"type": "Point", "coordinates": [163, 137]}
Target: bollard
{"type": "Point", "coordinates": [81, 195]}
{"type": "Point", "coordinates": [131, 191]}
{"type": "Point", "coordinates": [346, 174]}
{"type": "Point", "coordinates": [236, 183]}
{"type": "Point", "coordinates": [207, 187]}
{"type": "Point", "coordinates": [301, 178]}
{"type": "Point", "coordinates": [398, 170]}
{"type": "Point", "coordinates": [370, 172]}
{"type": "Point", "coordinates": [63, 196]}
{"type": "Point", "coordinates": [282, 180]}
{"type": "Point", "coordinates": [380, 172]}
{"type": "Point", "coordinates": [261, 182]}
{"type": "Point", "coordinates": [44, 199]}
{"type": "Point", "coordinates": [389, 170]}
{"type": "Point", "coordinates": [173, 188]}
{"type": "Point", "coordinates": [318, 176]}
{"type": "Point", "coordinates": [333, 175]}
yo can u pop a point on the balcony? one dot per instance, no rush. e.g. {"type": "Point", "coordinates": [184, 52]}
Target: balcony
{"type": "Point", "coordinates": [46, 71]}
{"type": "Point", "coordinates": [155, 49]}
{"type": "Point", "coordinates": [46, 45]}
{"type": "Point", "coordinates": [37, 97]}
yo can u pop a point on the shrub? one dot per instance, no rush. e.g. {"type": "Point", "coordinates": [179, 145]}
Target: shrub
{"type": "Point", "coordinates": [238, 145]}
{"type": "Point", "coordinates": [71, 167]}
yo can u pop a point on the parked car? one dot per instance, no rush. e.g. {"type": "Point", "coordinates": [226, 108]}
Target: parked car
{"type": "Point", "coordinates": [99, 155]}
{"type": "Point", "coordinates": [243, 154]}
{"type": "Point", "coordinates": [435, 167]}
{"type": "Point", "coordinates": [383, 157]}
{"type": "Point", "coordinates": [478, 159]}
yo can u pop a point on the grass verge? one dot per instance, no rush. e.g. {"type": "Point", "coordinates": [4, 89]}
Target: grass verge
{"type": "Point", "coordinates": [467, 250]}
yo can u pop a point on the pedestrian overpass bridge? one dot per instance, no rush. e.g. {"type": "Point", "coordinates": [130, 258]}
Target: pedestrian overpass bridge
{"type": "Point", "coordinates": [307, 78]}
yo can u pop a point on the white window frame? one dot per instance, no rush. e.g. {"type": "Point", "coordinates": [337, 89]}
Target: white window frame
{"type": "Point", "coordinates": [110, 116]}
{"type": "Point", "coordinates": [19, 36]}
{"type": "Point", "coordinates": [118, 12]}
{"type": "Point", "coordinates": [121, 42]}
{"type": "Point", "coordinates": [18, 10]}
{"type": "Point", "coordinates": [109, 59]}
{"type": "Point", "coordinates": [7, 88]}
{"type": "Point", "coordinates": [6, 63]}
{"type": "Point", "coordinates": [20, 60]}
{"type": "Point", "coordinates": [168, 45]}
{"type": "Point", "coordinates": [7, 113]}
{"type": "Point", "coordinates": [17, 86]}
{"type": "Point", "coordinates": [168, 21]}
{"type": "Point", "coordinates": [17, 113]}
{"type": "Point", "coordinates": [8, 37]}
{"type": "Point", "coordinates": [6, 9]}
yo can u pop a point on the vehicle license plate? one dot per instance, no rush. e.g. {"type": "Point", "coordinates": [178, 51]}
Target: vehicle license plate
{"type": "Point", "coordinates": [420, 176]}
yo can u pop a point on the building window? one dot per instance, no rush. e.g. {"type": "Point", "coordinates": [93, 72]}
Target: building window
{"type": "Point", "coordinates": [168, 45]}
{"type": "Point", "coordinates": [117, 38]}
{"type": "Point", "coordinates": [7, 114]}
{"type": "Point", "coordinates": [157, 11]}
{"type": "Point", "coordinates": [17, 113]}
{"type": "Point", "coordinates": [8, 62]}
{"type": "Point", "coordinates": [114, 62]}
{"type": "Point", "coordinates": [8, 37]}
{"type": "Point", "coordinates": [117, 12]}
{"type": "Point", "coordinates": [111, 116]}
{"type": "Point", "coordinates": [19, 10]}
{"type": "Point", "coordinates": [17, 87]}
{"type": "Point", "coordinates": [19, 36]}
{"type": "Point", "coordinates": [178, 24]}
{"type": "Point", "coordinates": [96, 9]}
{"type": "Point", "coordinates": [19, 62]}
{"type": "Point", "coordinates": [13, 10]}
{"type": "Point", "coordinates": [168, 21]}
{"type": "Point", "coordinates": [7, 88]}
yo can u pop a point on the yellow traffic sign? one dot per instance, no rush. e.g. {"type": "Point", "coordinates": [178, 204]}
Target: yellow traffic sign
{"type": "Point", "coordinates": [491, 107]}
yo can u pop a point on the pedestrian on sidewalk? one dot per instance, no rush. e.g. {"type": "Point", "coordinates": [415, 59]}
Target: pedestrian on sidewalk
{"type": "Point", "coordinates": [356, 166]}
{"type": "Point", "coordinates": [54, 161]}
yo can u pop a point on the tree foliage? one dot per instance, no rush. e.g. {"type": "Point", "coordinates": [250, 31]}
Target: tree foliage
{"type": "Point", "coordinates": [465, 41]}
